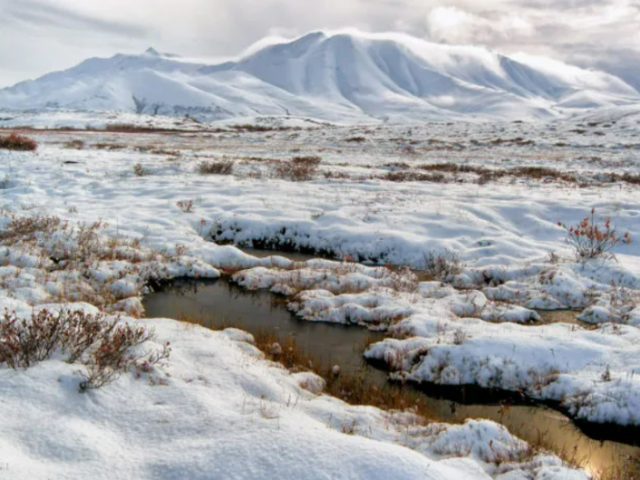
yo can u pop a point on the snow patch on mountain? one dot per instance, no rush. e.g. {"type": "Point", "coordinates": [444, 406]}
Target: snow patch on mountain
{"type": "Point", "coordinates": [343, 76]}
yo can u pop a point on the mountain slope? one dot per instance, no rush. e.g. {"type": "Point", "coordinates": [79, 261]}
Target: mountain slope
{"type": "Point", "coordinates": [339, 77]}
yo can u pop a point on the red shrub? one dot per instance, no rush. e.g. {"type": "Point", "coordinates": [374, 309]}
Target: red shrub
{"type": "Point", "coordinates": [18, 142]}
{"type": "Point", "coordinates": [590, 240]}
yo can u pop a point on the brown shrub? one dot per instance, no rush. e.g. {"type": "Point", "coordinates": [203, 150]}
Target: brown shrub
{"type": "Point", "coordinates": [307, 160]}
{"type": "Point", "coordinates": [186, 206]}
{"type": "Point", "coordinates": [410, 176]}
{"type": "Point", "coordinates": [27, 228]}
{"type": "Point", "coordinates": [139, 170]}
{"type": "Point", "coordinates": [298, 169]}
{"type": "Point", "coordinates": [251, 128]}
{"type": "Point", "coordinates": [18, 143]}
{"type": "Point", "coordinates": [488, 174]}
{"type": "Point", "coordinates": [443, 265]}
{"type": "Point", "coordinates": [130, 128]}
{"type": "Point", "coordinates": [109, 146]}
{"type": "Point", "coordinates": [633, 178]}
{"type": "Point", "coordinates": [262, 128]}
{"type": "Point", "coordinates": [222, 167]}
{"type": "Point", "coordinates": [162, 151]}
{"type": "Point", "coordinates": [105, 348]}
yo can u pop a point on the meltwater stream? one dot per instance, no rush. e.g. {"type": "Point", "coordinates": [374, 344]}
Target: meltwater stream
{"type": "Point", "coordinates": [221, 302]}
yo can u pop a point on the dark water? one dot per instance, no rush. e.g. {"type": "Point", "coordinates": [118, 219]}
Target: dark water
{"type": "Point", "coordinates": [222, 303]}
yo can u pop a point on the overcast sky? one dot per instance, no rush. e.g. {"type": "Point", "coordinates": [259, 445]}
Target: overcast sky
{"type": "Point", "coordinates": [39, 36]}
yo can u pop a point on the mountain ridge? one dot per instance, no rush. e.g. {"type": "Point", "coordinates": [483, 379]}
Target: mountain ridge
{"type": "Point", "coordinates": [331, 76]}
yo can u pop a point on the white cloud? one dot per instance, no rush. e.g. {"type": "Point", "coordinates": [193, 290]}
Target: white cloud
{"type": "Point", "coordinates": [37, 36]}
{"type": "Point", "coordinates": [454, 25]}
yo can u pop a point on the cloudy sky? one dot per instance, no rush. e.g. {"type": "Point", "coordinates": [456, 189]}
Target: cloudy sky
{"type": "Point", "coordinates": [38, 36]}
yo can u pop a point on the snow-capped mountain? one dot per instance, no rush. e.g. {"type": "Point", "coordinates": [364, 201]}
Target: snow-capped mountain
{"type": "Point", "coordinates": [346, 77]}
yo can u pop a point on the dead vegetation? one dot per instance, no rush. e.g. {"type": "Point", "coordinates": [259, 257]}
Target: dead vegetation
{"type": "Point", "coordinates": [17, 142]}
{"type": "Point", "coordinates": [355, 389]}
{"type": "Point", "coordinates": [154, 149]}
{"type": "Point", "coordinates": [363, 389]}
{"type": "Point", "coordinates": [64, 259]}
{"type": "Point", "coordinates": [76, 144]}
{"type": "Point", "coordinates": [628, 469]}
{"type": "Point", "coordinates": [413, 176]}
{"type": "Point", "coordinates": [442, 266]}
{"type": "Point", "coordinates": [356, 139]}
{"type": "Point", "coordinates": [451, 172]}
{"type": "Point", "coordinates": [130, 128]}
{"type": "Point", "coordinates": [109, 146]}
{"type": "Point", "coordinates": [105, 348]}
{"type": "Point", "coordinates": [186, 206]}
{"type": "Point", "coordinates": [298, 169]}
{"type": "Point", "coordinates": [139, 170]}
{"type": "Point", "coordinates": [221, 167]}
{"type": "Point", "coordinates": [252, 128]}
{"type": "Point", "coordinates": [486, 174]}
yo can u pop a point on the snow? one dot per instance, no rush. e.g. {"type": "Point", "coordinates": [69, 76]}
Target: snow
{"type": "Point", "coordinates": [223, 412]}
{"type": "Point", "coordinates": [228, 411]}
{"type": "Point", "coordinates": [341, 76]}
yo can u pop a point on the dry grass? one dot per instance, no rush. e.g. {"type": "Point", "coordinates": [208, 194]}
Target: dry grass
{"type": "Point", "coordinates": [67, 254]}
{"type": "Point", "coordinates": [76, 144]}
{"type": "Point", "coordinates": [481, 174]}
{"type": "Point", "coordinates": [627, 470]}
{"type": "Point", "coordinates": [443, 265]}
{"type": "Point", "coordinates": [358, 389]}
{"type": "Point", "coordinates": [487, 174]}
{"type": "Point", "coordinates": [27, 229]}
{"type": "Point", "coordinates": [109, 146]}
{"type": "Point", "coordinates": [298, 169]}
{"type": "Point", "coordinates": [187, 206]}
{"type": "Point", "coordinates": [355, 389]}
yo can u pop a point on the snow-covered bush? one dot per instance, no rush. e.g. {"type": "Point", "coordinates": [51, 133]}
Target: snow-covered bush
{"type": "Point", "coordinates": [590, 240]}
{"type": "Point", "coordinates": [106, 348]}
{"type": "Point", "coordinates": [442, 265]}
{"type": "Point", "coordinates": [18, 142]}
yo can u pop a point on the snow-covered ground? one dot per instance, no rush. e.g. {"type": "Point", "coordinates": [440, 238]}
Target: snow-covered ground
{"type": "Point", "coordinates": [160, 217]}
{"type": "Point", "coordinates": [222, 411]}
